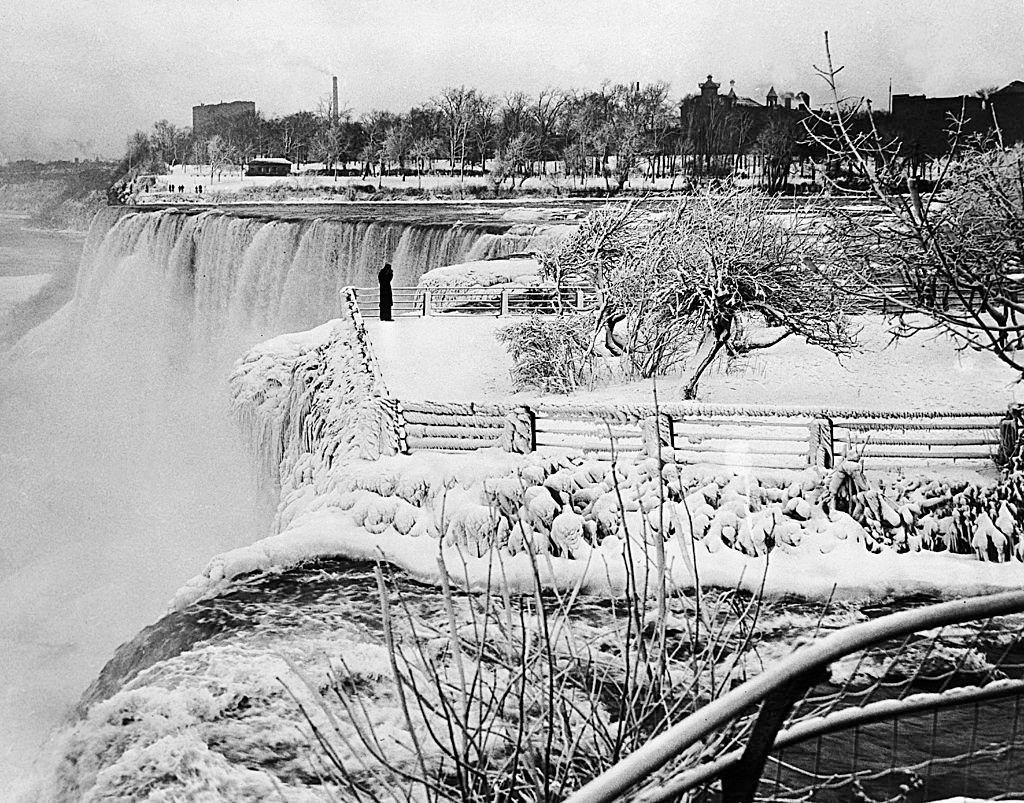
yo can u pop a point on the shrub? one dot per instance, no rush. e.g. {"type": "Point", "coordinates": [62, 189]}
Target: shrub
{"type": "Point", "coordinates": [549, 354]}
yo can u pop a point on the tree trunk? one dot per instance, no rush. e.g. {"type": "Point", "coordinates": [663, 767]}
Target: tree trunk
{"type": "Point", "coordinates": [691, 388]}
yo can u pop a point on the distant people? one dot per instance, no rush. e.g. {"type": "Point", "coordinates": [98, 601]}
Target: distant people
{"type": "Point", "coordinates": [384, 279]}
{"type": "Point", "coordinates": [181, 188]}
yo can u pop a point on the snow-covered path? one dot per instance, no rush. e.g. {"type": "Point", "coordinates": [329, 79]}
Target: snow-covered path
{"type": "Point", "coordinates": [443, 359]}
{"type": "Point", "coordinates": [459, 359]}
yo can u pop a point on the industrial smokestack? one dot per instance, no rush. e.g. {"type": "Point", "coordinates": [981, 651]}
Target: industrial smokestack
{"type": "Point", "coordinates": [334, 99]}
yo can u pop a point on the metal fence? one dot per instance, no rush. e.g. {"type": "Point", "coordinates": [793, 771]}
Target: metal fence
{"type": "Point", "coordinates": [454, 300]}
{"type": "Point", "coordinates": [886, 299]}
{"type": "Point", "coordinates": [915, 705]}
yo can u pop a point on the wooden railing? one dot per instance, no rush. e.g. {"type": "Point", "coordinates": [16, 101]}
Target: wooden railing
{"type": "Point", "coordinates": [729, 436]}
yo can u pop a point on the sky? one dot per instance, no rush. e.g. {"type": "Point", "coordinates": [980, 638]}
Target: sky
{"type": "Point", "coordinates": [78, 76]}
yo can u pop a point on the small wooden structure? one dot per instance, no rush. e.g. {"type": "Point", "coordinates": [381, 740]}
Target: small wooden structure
{"type": "Point", "coordinates": [269, 166]}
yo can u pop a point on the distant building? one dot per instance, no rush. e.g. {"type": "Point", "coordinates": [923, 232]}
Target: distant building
{"type": "Point", "coordinates": [793, 101]}
{"type": "Point", "coordinates": [923, 123]}
{"type": "Point", "coordinates": [207, 117]}
{"type": "Point", "coordinates": [269, 167]}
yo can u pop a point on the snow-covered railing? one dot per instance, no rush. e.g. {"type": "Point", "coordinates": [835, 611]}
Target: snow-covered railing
{"type": "Point", "coordinates": [723, 435]}
{"type": "Point", "coordinates": [903, 668]}
{"type": "Point", "coordinates": [452, 426]}
{"type": "Point", "coordinates": [969, 437]}
{"type": "Point", "coordinates": [458, 300]}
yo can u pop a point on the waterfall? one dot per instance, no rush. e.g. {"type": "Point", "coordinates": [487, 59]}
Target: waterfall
{"type": "Point", "coordinates": [267, 276]}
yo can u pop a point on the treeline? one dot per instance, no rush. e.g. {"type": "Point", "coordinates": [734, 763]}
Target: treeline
{"type": "Point", "coordinates": [615, 132]}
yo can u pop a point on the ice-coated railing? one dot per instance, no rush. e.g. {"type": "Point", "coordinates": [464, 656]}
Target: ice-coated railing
{"type": "Point", "coordinates": [723, 435]}
{"type": "Point", "coordinates": [905, 667]}
{"type": "Point", "coordinates": [459, 300]}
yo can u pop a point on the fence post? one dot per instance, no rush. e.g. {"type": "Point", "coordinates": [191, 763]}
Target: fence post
{"type": "Point", "coordinates": [391, 435]}
{"type": "Point", "coordinates": [426, 303]}
{"type": "Point", "coordinates": [520, 435]}
{"type": "Point", "coordinates": [820, 449]}
{"type": "Point", "coordinates": [1010, 455]}
{"type": "Point", "coordinates": [401, 436]}
{"type": "Point", "coordinates": [504, 301]}
{"type": "Point", "coordinates": [656, 431]}
{"type": "Point", "coordinates": [579, 299]}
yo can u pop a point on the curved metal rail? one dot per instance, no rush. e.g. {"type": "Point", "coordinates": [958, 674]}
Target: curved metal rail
{"type": "Point", "coordinates": [778, 689]}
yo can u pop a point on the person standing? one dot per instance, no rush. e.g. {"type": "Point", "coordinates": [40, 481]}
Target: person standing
{"type": "Point", "coordinates": [384, 278]}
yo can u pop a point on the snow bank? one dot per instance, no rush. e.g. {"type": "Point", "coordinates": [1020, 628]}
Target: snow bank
{"type": "Point", "coordinates": [497, 519]}
{"type": "Point", "coordinates": [519, 271]}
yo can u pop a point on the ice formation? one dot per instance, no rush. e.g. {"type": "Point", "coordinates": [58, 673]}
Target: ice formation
{"type": "Point", "coordinates": [317, 408]}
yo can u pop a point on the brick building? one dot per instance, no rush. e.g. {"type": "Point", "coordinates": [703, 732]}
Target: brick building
{"type": "Point", "coordinates": [923, 122]}
{"type": "Point", "coordinates": [207, 117]}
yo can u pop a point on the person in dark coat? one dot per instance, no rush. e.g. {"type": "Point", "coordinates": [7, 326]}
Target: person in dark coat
{"type": "Point", "coordinates": [384, 277]}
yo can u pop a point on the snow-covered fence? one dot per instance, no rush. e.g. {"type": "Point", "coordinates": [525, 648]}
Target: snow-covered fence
{"type": "Point", "coordinates": [915, 438]}
{"type": "Point", "coordinates": [605, 432]}
{"type": "Point", "coordinates": [453, 426]}
{"type": "Point", "coordinates": [456, 300]}
{"type": "Point", "coordinates": [720, 435]}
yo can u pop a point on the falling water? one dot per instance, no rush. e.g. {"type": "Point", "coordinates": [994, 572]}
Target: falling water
{"type": "Point", "coordinates": [122, 473]}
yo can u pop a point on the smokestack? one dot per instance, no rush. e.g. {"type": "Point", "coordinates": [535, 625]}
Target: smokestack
{"type": "Point", "coordinates": [334, 99]}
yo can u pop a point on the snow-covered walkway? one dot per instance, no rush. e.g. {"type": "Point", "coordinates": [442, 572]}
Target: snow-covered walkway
{"type": "Point", "coordinates": [443, 359]}
{"type": "Point", "coordinates": [459, 359]}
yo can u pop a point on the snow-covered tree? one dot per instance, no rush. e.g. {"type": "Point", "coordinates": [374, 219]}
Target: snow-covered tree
{"type": "Point", "coordinates": [947, 258]}
{"type": "Point", "coordinates": [711, 273]}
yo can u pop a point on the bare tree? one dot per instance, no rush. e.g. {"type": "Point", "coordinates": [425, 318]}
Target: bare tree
{"type": "Point", "coordinates": [949, 259]}
{"type": "Point", "coordinates": [456, 105]}
{"type": "Point", "coordinates": [776, 143]}
{"type": "Point", "coordinates": [545, 113]}
{"type": "Point", "coordinates": [398, 143]}
{"type": "Point", "coordinates": [423, 152]}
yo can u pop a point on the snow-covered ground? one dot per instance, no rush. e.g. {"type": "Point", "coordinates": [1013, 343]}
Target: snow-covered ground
{"type": "Point", "coordinates": [443, 359]}
{"type": "Point", "coordinates": [458, 358]}
{"type": "Point", "coordinates": [233, 181]}
{"type": "Point", "coordinates": [484, 273]}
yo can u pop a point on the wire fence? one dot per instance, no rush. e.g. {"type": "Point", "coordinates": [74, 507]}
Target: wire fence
{"type": "Point", "coordinates": [917, 705]}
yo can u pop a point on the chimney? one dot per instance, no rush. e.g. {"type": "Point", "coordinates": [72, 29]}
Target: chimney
{"type": "Point", "coordinates": [334, 99]}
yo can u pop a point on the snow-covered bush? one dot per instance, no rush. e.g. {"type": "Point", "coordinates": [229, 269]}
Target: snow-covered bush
{"type": "Point", "coordinates": [550, 354]}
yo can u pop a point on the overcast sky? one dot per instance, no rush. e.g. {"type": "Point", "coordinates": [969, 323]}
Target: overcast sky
{"type": "Point", "coordinates": [77, 76]}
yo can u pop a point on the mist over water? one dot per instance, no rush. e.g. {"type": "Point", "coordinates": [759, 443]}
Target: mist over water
{"type": "Point", "coordinates": [121, 472]}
